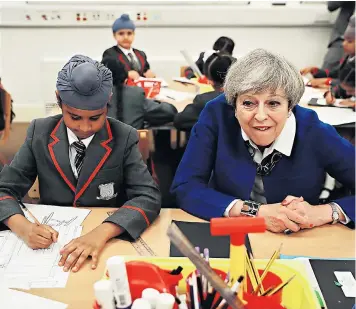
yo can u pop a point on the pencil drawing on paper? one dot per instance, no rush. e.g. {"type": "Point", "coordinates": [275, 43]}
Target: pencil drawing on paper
{"type": "Point", "coordinates": [52, 221]}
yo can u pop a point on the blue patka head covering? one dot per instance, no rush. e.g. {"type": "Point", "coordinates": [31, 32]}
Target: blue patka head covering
{"type": "Point", "coordinates": [123, 22]}
{"type": "Point", "coordinates": [84, 83]}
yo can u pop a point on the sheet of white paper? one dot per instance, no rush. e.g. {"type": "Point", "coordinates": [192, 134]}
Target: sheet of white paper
{"type": "Point", "coordinates": [310, 93]}
{"type": "Point", "coordinates": [22, 267]}
{"type": "Point", "coordinates": [305, 80]}
{"type": "Point", "coordinates": [58, 215]}
{"type": "Point", "coordinates": [311, 276]}
{"type": "Point", "coordinates": [184, 80]}
{"type": "Point", "coordinates": [336, 104]}
{"type": "Point", "coordinates": [175, 95]}
{"type": "Point", "coordinates": [336, 116]}
{"type": "Point", "coordinates": [348, 282]}
{"type": "Point", "coordinates": [20, 300]}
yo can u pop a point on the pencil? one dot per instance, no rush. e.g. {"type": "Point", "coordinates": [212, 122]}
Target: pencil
{"type": "Point", "coordinates": [195, 291]}
{"type": "Point", "coordinates": [281, 286]}
{"type": "Point", "coordinates": [244, 283]}
{"type": "Point", "coordinates": [191, 293]}
{"type": "Point", "coordinates": [200, 288]}
{"type": "Point", "coordinates": [234, 288]}
{"type": "Point", "coordinates": [210, 298]}
{"type": "Point", "coordinates": [270, 262]}
{"type": "Point", "coordinates": [24, 208]}
{"type": "Point", "coordinates": [268, 290]}
{"type": "Point", "coordinates": [203, 279]}
{"type": "Point", "coordinates": [251, 274]}
{"type": "Point", "coordinates": [257, 275]}
{"type": "Point", "coordinates": [220, 299]}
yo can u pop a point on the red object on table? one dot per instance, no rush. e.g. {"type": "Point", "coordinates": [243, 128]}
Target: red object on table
{"type": "Point", "coordinates": [203, 80]}
{"type": "Point", "coordinates": [259, 302]}
{"type": "Point", "coordinates": [150, 86]}
{"type": "Point", "coordinates": [237, 228]}
{"type": "Point", "coordinates": [143, 275]}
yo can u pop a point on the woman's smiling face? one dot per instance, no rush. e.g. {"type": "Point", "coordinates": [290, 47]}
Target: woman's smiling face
{"type": "Point", "coordinates": [262, 115]}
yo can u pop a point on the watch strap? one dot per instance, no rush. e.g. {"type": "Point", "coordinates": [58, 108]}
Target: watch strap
{"type": "Point", "coordinates": [250, 208]}
{"type": "Point", "coordinates": [335, 213]}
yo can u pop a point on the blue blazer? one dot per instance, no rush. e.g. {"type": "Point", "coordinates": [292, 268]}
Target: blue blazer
{"type": "Point", "coordinates": [217, 168]}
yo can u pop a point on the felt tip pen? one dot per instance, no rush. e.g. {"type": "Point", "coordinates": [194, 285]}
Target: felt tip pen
{"type": "Point", "coordinates": [118, 276]}
{"type": "Point", "coordinates": [103, 294]}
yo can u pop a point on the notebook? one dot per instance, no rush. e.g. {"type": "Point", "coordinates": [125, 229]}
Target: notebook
{"type": "Point", "coordinates": [199, 235]}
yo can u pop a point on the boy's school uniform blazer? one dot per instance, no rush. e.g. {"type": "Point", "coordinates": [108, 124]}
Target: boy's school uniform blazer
{"type": "Point", "coordinates": [113, 174]}
{"type": "Point", "coordinates": [217, 167]}
{"type": "Point", "coordinates": [117, 53]}
{"type": "Point", "coordinates": [137, 111]}
{"type": "Point", "coordinates": [186, 119]}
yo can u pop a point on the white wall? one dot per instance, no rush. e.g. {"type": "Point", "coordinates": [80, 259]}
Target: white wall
{"type": "Point", "coordinates": [31, 57]}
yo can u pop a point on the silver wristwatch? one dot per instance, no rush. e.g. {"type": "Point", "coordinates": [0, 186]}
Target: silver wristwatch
{"type": "Point", "coordinates": [335, 213]}
{"type": "Point", "coordinates": [250, 208]}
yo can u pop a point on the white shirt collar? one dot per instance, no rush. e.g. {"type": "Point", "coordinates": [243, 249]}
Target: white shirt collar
{"type": "Point", "coordinates": [127, 51]}
{"type": "Point", "coordinates": [284, 142]}
{"type": "Point", "coordinates": [73, 138]}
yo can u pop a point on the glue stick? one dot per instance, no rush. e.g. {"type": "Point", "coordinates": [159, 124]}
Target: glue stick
{"type": "Point", "coordinates": [141, 303]}
{"type": "Point", "coordinates": [104, 295]}
{"type": "Point", "coordinates": [118, 276]}
{"type": "Point", "coordinates": [151, 296]}
{"type": "Point", "coordinates": [165, 301]}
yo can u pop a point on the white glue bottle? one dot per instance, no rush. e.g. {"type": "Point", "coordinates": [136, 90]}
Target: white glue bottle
{"type": "Point", "coordinates": [141, 303]}
{"type": "Point", "coordinates": [104, 295]}
{"type": "Point", "coordinates": [165, 301]}
{"type": "Point", "coordinates": [118, 276]}
{"type": "Point", "coordinates": [151, 296]}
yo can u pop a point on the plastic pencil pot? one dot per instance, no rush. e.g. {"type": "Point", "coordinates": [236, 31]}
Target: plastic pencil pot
{"type": "Point", "coordinates": [237, 228]}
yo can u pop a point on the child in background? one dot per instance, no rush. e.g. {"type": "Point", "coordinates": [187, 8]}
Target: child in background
{"type": "Point", "coordinates": [128, 103]}
{"type": "Point", "coordinates": [134, 60]}
{"type": "Point", "coordinates": [6, 115]}
{"type": "Point", "coordinates": [325, 78]}
{"type": "Point", "coordinates": [215, 68]}
{"type": "Point", "coordinates": [222, 45]}
{"type": "Point", "coordinates": [347, 85]}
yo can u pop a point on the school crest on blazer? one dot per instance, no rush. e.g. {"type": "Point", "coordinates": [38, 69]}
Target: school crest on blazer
{"type": "Point", "coordinates": [106, 191]}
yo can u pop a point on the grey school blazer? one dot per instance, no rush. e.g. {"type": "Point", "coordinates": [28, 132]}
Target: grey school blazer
{"type": "Point", "coordinates": [137, 110]}
{"type": "Point", "coordinates": [113, 174]}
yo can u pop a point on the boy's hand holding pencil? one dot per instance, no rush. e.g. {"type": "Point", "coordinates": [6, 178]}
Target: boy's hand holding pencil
{"type": "Point", "coordinates": [40, 236]}
{"type": "Point", "coordinates": [34, 234]}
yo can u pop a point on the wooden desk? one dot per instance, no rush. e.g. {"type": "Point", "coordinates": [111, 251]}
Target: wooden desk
{"type": "Point", "coordinates": [320, 242]}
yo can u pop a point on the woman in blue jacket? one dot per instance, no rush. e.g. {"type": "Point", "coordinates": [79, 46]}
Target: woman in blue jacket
{"type": "Point", "coordinates": [254, 152]}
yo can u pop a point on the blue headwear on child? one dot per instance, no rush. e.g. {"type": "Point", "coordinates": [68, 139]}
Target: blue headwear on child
{"type": "Point", "coordinates": [123, 22]}
{"type": "Point", "coordinates": [84, 83]}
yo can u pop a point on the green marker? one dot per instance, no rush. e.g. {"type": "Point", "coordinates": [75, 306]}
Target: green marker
{"type": "Point", "coordinates": [320, 300]}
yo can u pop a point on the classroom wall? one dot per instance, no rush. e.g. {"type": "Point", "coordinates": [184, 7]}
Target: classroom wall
{"type": "Point", "coordinates": [31, 57]}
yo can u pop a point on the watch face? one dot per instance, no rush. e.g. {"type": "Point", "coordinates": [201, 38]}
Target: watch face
{"type": "Point", "coordinates": [245, 207]}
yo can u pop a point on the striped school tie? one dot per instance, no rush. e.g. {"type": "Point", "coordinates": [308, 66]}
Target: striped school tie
{"type": "Point", "coordinates": [135, 65]}
{"type": "Point", "coordinates": [79, 158]}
